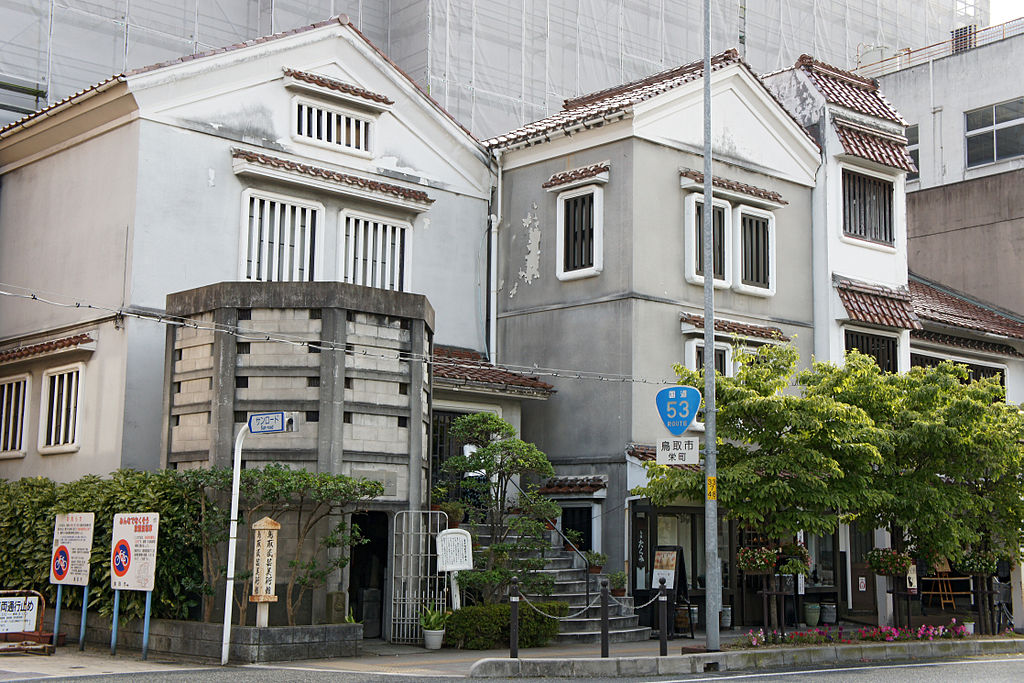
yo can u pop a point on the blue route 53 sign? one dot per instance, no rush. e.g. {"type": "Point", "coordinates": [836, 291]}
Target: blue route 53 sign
{"type": "Point", "coordinates": [678, 407]}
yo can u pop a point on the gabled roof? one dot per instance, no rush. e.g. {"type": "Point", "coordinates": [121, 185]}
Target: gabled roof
{"type": "Point", "coordinates": [611, 103]}
{"type": "Point", "coordinates": [877, 305]}
{"type": "Point", "coordinates": [464, 368]}
{"type": "Point", "coordinates": [847, 89]}
{"type": "Point", "coordinates": [951, 308]}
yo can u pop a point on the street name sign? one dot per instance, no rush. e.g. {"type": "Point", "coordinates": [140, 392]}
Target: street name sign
{"type": "Point", "coordinates": [266, 423]}
{"type": "Point", "coordinates": [72, 545]}
{"type": "Point", "coordinates": [684, 450]}
{"type": "Point", "coordinates": [133, 551]}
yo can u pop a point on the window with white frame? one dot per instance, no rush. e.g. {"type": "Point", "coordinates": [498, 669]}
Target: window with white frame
{"type": "Point", "coordinates": [280, 238]}
{"type": "Point", "coordinates": [693, 356]}
{"type": "Point", "coordinates": [718, 239]}
{"type": "Point", "coordinates": [59, 407]}
{"type": "Point", "coordinates": [375, 252]}
{"type": "Point", "coordinates": [13, 391]}
{"type": "Point", "coordinates": [868, 208]}
{"type": "Point", "coordinates": [883, 348]}
{"type": "Point", "coordinates": [580, 225]}
{"type": "Point", "coordinates": [331, 126]}
{"type": "Point", "coordinates": [914, 150]}
{"type": "Point", "coordinates": [744, 245]}
{"type": "Point", "coordinates": [755, 253]}
{"type": "Point", "coordinates": [995, 132]}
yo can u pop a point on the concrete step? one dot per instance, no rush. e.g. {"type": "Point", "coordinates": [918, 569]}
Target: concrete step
{"type": "Point", "coordinates": [615, 623]}
{"type": "Point", "coordinates": [630, 635]}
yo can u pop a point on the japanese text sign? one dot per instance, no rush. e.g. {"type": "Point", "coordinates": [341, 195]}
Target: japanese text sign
{"type": "Point", "coordinates": [72, 544]}
{"type": "Point", "coordinates": [18, 614]}
{"type": "Point", "coordinates": [454, 550]}
{"type": "Point", "coordinates": [684, 450]}
{"type": "Point", "coordinates": [264, 560]}
{"type": "Point", "coordinates": [678, 407]}
{"type": "Point", "coordinates": [133, 551]}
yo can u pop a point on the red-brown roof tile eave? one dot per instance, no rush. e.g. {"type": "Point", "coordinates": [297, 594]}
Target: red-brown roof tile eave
{"type": "Point", "coordinates": [733, 327]}
{"type": "Point", "coordinates": [575, 174]}
{"type": "Point", "coordinates": [468, 366]}
{"type": "Point", "coordinates": [340, 86]}
{"type": "Point", "coordinates": [44, 347]}
{"type": "Point", "coordinates": [849, 90]}
{"type": "Point", "coordinates": [877, 305]}
{"type": "Point", "coordinates": [646, 453]}
{"type": "Point", "coordinates": [91, 90]}
{"type": "Point", "coordinates": [328, 174]}
{"type": "Point", "coordinates": [612, 102]}
{"type": "Point", "coordinates": [948, 308]}
{"type": "Point", "coordinates": [881, 149]}
{"type": "Point", "coordinates": [735, 186]}
{"type": "Point", "coordinates": [573, 485]}
{"type": "Point", "coordinates": [965, 343]}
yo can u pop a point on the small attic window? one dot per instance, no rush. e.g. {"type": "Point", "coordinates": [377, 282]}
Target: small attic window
{"type": "Point", "coordinates": [331, 126]}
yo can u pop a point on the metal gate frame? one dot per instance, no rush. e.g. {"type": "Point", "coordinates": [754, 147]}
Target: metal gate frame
{"type": "Point", "coordinates": [415, 581]}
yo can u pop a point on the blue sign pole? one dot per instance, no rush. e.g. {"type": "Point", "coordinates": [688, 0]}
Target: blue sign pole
{"type": "Point", "coordinates": [56, 614]}
{"type": "Point", "coordinates": [113, 626]}
{"type": "Point", "coordinates": [85, 607]}
{"type": "Point", "coordinates": [145, 626]}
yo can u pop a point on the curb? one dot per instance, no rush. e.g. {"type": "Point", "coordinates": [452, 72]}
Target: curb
{"type": "Point", "coordinates": [739, 660]}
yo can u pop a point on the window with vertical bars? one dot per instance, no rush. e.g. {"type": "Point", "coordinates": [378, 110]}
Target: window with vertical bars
{"type": "Point", "coordinates": [755, 251]}
{"type": "Point", "coordinates": [333, 127]}
{"type": "Point", "coordinates": [12, 414]}
{"type": "Point", "coordinates": [881, 348]}
{"type": "Point", "coordinates": [59, 414]}
{"type": "Point", "coordinates": [281, 240]}
{"type": "Point", "coordinates": [720, 360]}
{"type": "Point", "coordinates": [974, 371]}
{"type": "Point", "coordinates": [578, 232]}
{"type": "Point", "coordinates": [375, 253]}
{"type": "Point", "coordinates": [867, 208]}
{"type": "Point", "coordinates": [717, 240]}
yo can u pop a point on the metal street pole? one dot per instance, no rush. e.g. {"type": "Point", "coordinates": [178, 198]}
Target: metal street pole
{"type": "Point", "coordinates": [236, 474]}
{"type": "Point", "coordinates": [713, 573]}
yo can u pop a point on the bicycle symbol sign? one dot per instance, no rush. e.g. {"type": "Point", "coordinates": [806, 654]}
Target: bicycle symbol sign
{"type": "Point", "coordinates": [61, 563]}
{"type": "Point", "coordinates": [122, 558]}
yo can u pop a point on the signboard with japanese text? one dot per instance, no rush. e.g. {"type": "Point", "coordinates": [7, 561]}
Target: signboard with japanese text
{"type": "Point", "coordinates": [264, 561]}
{"type": "Point", "coordinates": [18, 613]}
{"type": "Point", "coordinates": [454, 550]}
{"type": "Point", "coordinates": [664, 566]}
{"type": "Point", "coordinates": [72, 545]}
{"type": "Point", "coordinates": [133, 551]}
{"type": "Point", "coordinates": [266, 423]}
{"type": "Point", "coordinates": [680, 450]}
{"type": "Point", "coordinates": [678, 407]}
{"type": "Point", "coordinates": [912, 579]}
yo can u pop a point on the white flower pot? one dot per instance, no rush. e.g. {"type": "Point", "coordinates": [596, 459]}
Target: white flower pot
{"type": "Point", "coordinates": [969, 625]}
{"type": "Point", "coordinates": [432, 639]}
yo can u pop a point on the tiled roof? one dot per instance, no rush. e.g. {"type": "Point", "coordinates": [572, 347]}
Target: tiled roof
{"type": "Point", "coordinates": [44, 347]}
{"type": "Point", "coordinates": [462, 367]}
{"type": "Point", "coordinates": [570, 176]}
{"type": "Point", "coordinates": [965, 343]}
{"type": "Point", "coordinates": [876, 304]}
{"type": "Point", "coordinates": [848, 89]}
{"type": "Point", "coordinates": [328, 174]}
{"type": "Point", "coordinates": [873, 145]}
{"type": "Point", "coordinates": [78, 96]}
{"type": "Point", "coordinates": [733, 327]}
{"type": "Point", "coordinates": [734, 186]}
{"type": "Point", "coordinates": [574, 485]}
{"type": "Point", "coordinates": [603, 106]}
{"type": "Point", "coordinates": [340, 86]}
{"type": "Point", "coordinates": [955, 310]}
{"type": "Point", "coordinates": [645, 453]}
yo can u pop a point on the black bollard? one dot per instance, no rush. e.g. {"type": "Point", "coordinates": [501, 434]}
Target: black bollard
{"type": "Point", "coordinates": [604, 618]}
{"type": "Point", "coordinates": [513, 630]}
{"type": "Point", "coordinates": [663, 616]}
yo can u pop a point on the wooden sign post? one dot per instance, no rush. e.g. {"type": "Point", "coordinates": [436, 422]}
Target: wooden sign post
{"type": "Point", "coordinates": [264, 568]}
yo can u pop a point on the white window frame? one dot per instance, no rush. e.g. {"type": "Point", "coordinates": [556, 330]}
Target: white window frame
{"type": "Point", "coordinates": [690, 347]}
{"type": "Point", "coordinates": [915, 147]}
{"type": "Point", "coordinates": [22, 419]}
{"type": "Point", "coordinates": [345, 250]}
{"type": "Point", "coordinates": [44, 409]}
{"type": "Point", "coordinates": [371, 124]}
{"type": "Point", "coordinates": [966, 360]}
{"type": "Point", "coordinates": [598, 242]}
{"type": "Point", "coordinates": [897, 226]}
{"type": "Point", "coordinates": [737, 220]}
{"type": "Point", "coordinates": [690, 239]}
{"type": "Point", "coordinates": [244, 235]}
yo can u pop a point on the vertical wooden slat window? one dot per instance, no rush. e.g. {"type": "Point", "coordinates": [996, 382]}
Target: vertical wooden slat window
{"type": "Point", "coordinates": [60, 405]}
{"type": "Point", "coordinates": [755, 250]}
{"type": "Point", "coordinates": [578, 232]}
{"type": "Point", "coordinates": [974, 371]}
{"type": "Point", "coordinates": [12, 414]}
{"type": "Point", "coordinates": [332, 126]}
{"type": "Point", "coordinates": [281, 240]}
{"type": "Point", "coordinates": [375, 253]}
{"type": "Point", "coordinates": [881, 348]}
{"type": "Point", "coordinates": [717, 240]}
{"type": "Point", "coordinates": [867, 208]}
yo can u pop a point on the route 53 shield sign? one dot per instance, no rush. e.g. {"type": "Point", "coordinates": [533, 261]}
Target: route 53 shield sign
{"type": "Point", "coordinates": [678, 407]}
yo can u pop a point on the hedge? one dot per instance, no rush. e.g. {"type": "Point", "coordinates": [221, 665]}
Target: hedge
{"type": "Point", "coordinates": [486, 627]}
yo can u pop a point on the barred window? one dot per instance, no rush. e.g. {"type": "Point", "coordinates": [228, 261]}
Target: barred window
{"type": "Point", "coordinates": [375, 253]}
{"type": "Point", "coordinates": [881, 348]}
{"type": "Point", "coordinates": [281, 239]}
{"type": "Point", "coordinates": [867, 208]}
{"type": "Point", "coordinates": [59, 415]}
{"type": "Point", "coordinates": [12, 414]}
{"type": "Point", "coordinates": [580, 223]}
{"type": "Point", "coordinates": [755, 251]}
{"type": "Point", "coordinates": [332, 126]}
{"type": "Point", "coordinates": [974, 371]}
{"type": "Point", "coordinates": [717, 240]}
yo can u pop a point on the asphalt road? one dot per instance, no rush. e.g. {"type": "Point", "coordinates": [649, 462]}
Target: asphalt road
{"type": "Point", "coordinates": [987, 670]}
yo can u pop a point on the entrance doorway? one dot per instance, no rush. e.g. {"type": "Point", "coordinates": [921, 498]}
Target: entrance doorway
{"type": "Point", "coordinates": [861, 576]}
{"type": "Point", "coordinates": [580, 519]}
{"type": "Point", "coordinates": [367, 572]}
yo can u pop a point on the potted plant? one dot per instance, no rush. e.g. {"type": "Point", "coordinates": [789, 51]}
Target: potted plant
{"type": "Point", "coordinates": [888, 561]}
{"type": "Point", "coordinates": [596, 561]}
{"type": "Point", "coordinates": [433, 621]}
{"type": "Point", "coordinates": [455, 511]}
{"type": "Point", "coordinates": [756, 560]}
{"type": "Point", "coordinates": [617, 581]}
{"type": "Point", "coordinates": [573, 539]}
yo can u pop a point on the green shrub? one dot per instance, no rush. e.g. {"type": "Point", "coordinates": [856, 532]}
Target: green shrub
{"type": "Point", "coordinates": [486, 627]}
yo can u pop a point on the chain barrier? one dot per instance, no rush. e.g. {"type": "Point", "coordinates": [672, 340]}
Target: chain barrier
{"type": "Point", "coordinates": [646, 604]}
{"type": "Point", "coordinates": [551, 616]}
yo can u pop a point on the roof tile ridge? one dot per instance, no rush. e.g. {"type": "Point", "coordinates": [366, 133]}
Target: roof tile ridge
{"type": "Point", "coordinates": [947, 291]}
{"type": "Point", "coordinates": [811, 64]}
{"type": "Point", "coordinates": [335, 84]}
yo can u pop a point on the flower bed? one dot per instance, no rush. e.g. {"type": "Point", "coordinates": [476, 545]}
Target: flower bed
{"type": "Point", "coordinates": [837, 636]}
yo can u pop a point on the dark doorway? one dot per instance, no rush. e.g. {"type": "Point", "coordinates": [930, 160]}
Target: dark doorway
{"type": "Point", "coordinates": [368, 570]}
{"type": "Point", "coordinates": [863, 579]}
{"type": "Point", "coordinates": [580, 519]}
